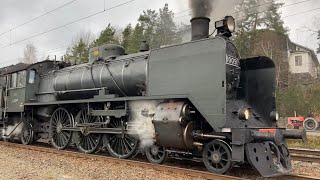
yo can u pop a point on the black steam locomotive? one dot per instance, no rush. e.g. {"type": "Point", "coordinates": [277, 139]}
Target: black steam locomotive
{"type": "Point", "coordinates": [197, 100]}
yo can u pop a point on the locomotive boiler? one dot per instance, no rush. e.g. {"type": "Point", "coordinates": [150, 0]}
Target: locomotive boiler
{"type": "Point", "coordinates": [198, 99]}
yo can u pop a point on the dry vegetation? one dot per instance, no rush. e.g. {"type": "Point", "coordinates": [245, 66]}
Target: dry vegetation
{"type": "Point", "coordinates": [313, 142]}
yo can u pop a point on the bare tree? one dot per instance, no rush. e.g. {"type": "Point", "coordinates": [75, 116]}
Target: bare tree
{"type": "Point", "coordinates": [273, 45]}
{"type": "Point", "coordinates": [30, 54]}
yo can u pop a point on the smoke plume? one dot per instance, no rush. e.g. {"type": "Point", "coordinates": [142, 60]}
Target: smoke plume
{"type": "Point", "coordinates": [201, 8]}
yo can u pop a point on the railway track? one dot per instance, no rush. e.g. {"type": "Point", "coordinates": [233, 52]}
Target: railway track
{"type": "Point", "coordinates": [307, 155]}
{"type": "Point", "coordinates": [177, 170]}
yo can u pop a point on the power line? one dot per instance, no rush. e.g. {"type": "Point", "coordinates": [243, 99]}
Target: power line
{"type": "Point", "coordinates": [53, 29]}
{"type": "Point", "coordinates": [303, 12]}
{"type": "Point", "coordinates": [279, 8]}
{"type": "Point", "coordinates": [231, 12]}
{"type": "Point", "coordinates": [39, 53]}
{"type": "Point", "coordinates": [54, 50]}
{"type": "Point", "coordinates": [72, 22]}
{"type": "Point", "coordinates": [39, 17]}
{"type": "Point", "coordinates": [234, 12]}
{"type": "Point", "coordinates": [51, 51]}
{"type": "Point", "coordinates": [127, 2]}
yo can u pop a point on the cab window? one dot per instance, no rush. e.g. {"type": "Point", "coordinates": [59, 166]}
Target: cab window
{"type": "Point", "coordinates": [21, 81]}
{"type": "Point", "coordinates": [32, 76]}
{"type": "Point", "coordinates": [13, 80]}
{"type": "Point", "coordinates": [18, 80]}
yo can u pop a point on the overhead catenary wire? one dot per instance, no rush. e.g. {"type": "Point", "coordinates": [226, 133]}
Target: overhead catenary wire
{"type": "Point", "coordinates": [42, 15]}
{"type": "Point", "coordinates": [238, 11]}
{"type": "Point", "coordinates": [303, 12]}
{"type": "Point", "coordinates": [67, 24]}
{"type": "Point", "coordinates": [39, 54]}
{"type": "Point", "coordinates": [256, 12]}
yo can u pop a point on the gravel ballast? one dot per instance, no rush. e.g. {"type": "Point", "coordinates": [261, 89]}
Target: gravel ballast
{"type": "Point", "coordinates": [27, 164]}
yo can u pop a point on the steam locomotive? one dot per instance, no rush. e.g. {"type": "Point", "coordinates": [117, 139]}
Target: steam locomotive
{"type": "Point", "coordinates": [197, 100]}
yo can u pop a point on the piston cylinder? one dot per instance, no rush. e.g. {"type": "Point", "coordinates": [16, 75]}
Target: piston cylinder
{"type": "Point", "coordinates": [171, 126]}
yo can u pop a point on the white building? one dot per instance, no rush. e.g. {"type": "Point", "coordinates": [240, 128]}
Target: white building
{"type": "Point", "coordinates": [303, 60]}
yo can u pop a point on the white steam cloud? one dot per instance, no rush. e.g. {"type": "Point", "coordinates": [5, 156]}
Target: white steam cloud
{"type": "Point", "coordinates": [13, 130]}
{"type": "Point", "coordinates": [141, 114]}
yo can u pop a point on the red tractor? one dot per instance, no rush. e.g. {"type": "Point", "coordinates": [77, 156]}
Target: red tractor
{"type": "Point", "coordinates": [309, 123]}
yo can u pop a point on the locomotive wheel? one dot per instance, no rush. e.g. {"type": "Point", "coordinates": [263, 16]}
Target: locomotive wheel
{"type": "Point", "coordinates": [156, 154]}
{"type": "Point", "coordinates": [120, 145]}
{"type": "Point", "coordinates": [217, 157]}
{"type": "Point", "coordinates": [60, 118]}
{"type": "Point", "coordinates": [310, 124]}
{"type": "Point", "coordinates": [88, 143]}
{"type": "Point", "coordinates": [27, 134]}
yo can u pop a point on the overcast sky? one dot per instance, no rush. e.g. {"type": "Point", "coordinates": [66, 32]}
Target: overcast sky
{"type": "Point", "coordinates": [16, 12]}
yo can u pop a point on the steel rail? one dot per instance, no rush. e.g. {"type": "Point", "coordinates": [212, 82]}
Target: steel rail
{"type": "Point", "coordinates": [305, 151]}
{"type": "Point", "coordinates": [307, 155]}
{"type": "Point", "coordinates": [176, 170]}
{"type": "Point", "coordinates": [299, 177]}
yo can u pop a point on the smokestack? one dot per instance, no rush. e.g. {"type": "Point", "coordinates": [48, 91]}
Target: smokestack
{"type": "Point", "coordinates": [200, 28]}
{"type": "Point", "coordinates": [201, 9]}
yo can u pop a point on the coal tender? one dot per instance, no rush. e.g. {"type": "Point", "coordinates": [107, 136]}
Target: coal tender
{"type": "Point", "coordinates": [193, 100]}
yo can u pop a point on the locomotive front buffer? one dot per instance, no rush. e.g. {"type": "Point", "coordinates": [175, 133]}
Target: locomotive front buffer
{"type": "Point", "coordinates": [264, 149]}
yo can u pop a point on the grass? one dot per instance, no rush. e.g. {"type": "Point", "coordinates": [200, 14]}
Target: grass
{"type": "Point", "coordinates": [313, 142]}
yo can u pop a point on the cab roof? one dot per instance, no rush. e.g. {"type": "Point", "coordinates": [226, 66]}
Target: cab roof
{"type": "Point", "coordinates": [18, 67]}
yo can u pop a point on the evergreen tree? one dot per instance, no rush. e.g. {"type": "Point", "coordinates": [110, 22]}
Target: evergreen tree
{"type": "Point", "coordinates": [78, 53]}
{"type": "Point", "coordinates": [135, 39]}
{"type": "Point", "coordinates": [166, 29]}
{"type": "Point", "coordinates": [157, 28]}
{"type": "Point", "coordinates": [126, 35]}
{"type": "Point", "coordinates": [273, 18]}
{"type": "Point", "coordinates": [149, 21]}
{"type": "Point", "coordinates": [250, 16]}
{"type": "Point", "coordinates": [255, 15]}
{"type": "Point", "coordinates": [107, 36]}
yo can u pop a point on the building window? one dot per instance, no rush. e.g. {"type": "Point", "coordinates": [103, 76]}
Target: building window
{"type": "Point", "coordinates": [298, 60]}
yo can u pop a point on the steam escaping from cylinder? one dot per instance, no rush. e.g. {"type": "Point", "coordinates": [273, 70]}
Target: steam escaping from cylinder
{"type": "Point", "coordinates": [201, 8]}
{"type": "Point", "coordinates": [140, 124]}
{"type": "Point", "coordinates": [13, 130]}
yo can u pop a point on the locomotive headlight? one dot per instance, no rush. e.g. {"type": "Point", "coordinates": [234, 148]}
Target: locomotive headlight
{"type": "Point", "coordinates": [226, 25]}
{"type": "Point", "coordinates": [230, 23]}
{"type": "Point", "coordinates": [274, 115]}
{"type": "Point", "coordinates": [244, 113]}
